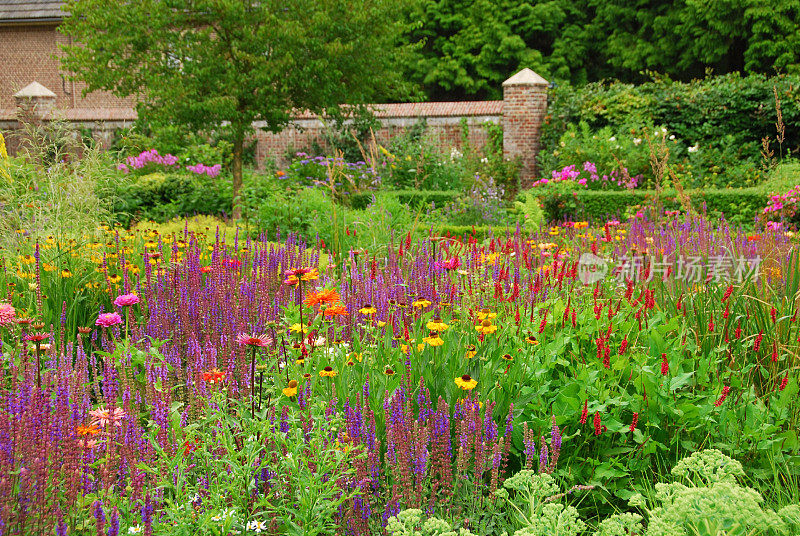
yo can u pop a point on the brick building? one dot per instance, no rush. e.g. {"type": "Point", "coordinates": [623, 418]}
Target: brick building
{"type": "Point", "coordinates": [31, 79]}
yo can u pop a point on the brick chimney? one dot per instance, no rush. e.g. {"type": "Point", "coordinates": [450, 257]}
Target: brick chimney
{"type": "Point", "coordinates": [524, 108]}
{"type": "Point", "coordinates": [35, 102]}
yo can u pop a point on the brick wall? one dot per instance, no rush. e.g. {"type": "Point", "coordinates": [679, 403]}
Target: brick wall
{"type": "Point", "coordinates": [443, 120]}
{"type": "Point", "coordinates": [30, 54]}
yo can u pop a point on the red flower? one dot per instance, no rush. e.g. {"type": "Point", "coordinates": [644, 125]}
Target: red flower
{"type": "Point", "coordinates": [623, 346]}
{"type": "Point", "coordinates": [189, 447]}
{"type": "Point", "coordinates": [711, 326]}
{"type": "Point", "coordinates": [722, 396]}
{"type": "Point", "coordinates": [757, 343]}
{"type": "Point", "coordinates": [214, 375]}
{"type": "Point", "coordinates": [784, 382]}
{"type": "Point", "coordinates": [664, 365]}
{"type": "Point", "coordinates": [728, 293]}
{"type": "Point", "coordinates": [38, 337]}
{"type": "Point", "coordinates": [634, 422]}
{"type": "Point", "coordinates": [598, 428]}
{"type": "Point", "coordinates": [585, 412]}
{"type": "Point", "coordinates": [205, 269]}
{"type": "Point", "coordinates": [773, 313]}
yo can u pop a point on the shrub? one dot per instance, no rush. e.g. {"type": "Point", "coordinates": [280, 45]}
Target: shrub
{"type": "Point", "coordinates": [722, 119]}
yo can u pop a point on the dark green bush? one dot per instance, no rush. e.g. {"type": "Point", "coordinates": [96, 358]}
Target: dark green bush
{"type": "Point", "coordinates": [478, 232]}
{"type": "Point", "coordinates": [739, 205]}
{"type": "Point", "coordinates": [163, 196]}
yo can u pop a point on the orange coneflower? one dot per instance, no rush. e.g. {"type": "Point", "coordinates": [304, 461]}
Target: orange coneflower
{"type": "Point", "coordinates": [323, 297]}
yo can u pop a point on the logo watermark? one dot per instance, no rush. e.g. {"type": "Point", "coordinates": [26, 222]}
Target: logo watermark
{"type": "Point", "coordinates": [691, 269]}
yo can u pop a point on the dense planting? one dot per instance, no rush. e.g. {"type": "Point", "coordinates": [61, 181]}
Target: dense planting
{"type": "Point", "coordinates": [194, 385]}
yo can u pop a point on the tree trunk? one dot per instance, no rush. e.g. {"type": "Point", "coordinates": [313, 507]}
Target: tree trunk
{"type": "Point", "coordinates": [238, 149]}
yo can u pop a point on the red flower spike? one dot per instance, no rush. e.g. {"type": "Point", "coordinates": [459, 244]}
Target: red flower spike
{"type": "Point", "coordinates": [722, 396]}
{"type": "Point", "coordinates": [598, 429]}
{"type": "Point", "coordinates": [664, 365]}
{"type": "Point", "coordinates": [757, 343]}
{"type": "Point", "coordinates": [585, 412]}
{"type": "Point", "coordinates": [634, 421]}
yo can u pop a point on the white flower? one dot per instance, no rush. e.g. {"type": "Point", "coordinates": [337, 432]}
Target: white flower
{"type": "Point", "coordinates": [694, 148]}
{"type": "Point", "coordinates": [637, 141]}
{"type": "Point", "coordinates": [194, 498]}
{"type": "Point", "coordinates": [612, 138]}
{"type": "Point", "coordinates": [136, 529]}
{"type": "Point", "coordinates": [257, 526]}
{"type": "Point", "coordinates": [663, 130]}
{"type": "Point", "coordinates": [672, 137]}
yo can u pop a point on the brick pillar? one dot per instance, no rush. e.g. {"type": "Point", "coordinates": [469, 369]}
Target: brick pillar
{"type": "Point", "coordinates": [524, 108]}
{"type": "Point", "coordinates": [35, 102]}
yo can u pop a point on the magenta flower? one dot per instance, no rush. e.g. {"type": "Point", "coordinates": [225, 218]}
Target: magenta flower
{"type": "Point", "coordinates": [7, 314]}
{"type": "Point", "coordinates": [126, 300]}
{"type": "Point", "coordinates": [107, 320]}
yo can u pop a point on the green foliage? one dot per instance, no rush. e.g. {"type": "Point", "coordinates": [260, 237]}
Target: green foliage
{"type": "Point", "coordinates": [50, 192]}
{"type": "Point", "coordinates": [409, 523]}
{"type": "Point", "coordinates": [562, 202]}
{"type": "Point", "coordinates": [210, 65]}
{"type": "Point", "coordinates": [537, 506]}
{"type": "Point", "coordinates": [413, 161]}
{"type": "Point", "coordinates": [530, 210]}
{"type": "Point", "coordinates": [468, 47]}
{"type": "Point", "coordinates": [164, 196]}
{"type": "Point", "coordinates": [713, 127]}
{"type": "Point", "coordinates": [712, 503]}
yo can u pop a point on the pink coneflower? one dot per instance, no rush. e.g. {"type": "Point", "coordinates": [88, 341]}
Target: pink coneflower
{"type": "Point", "coordinates": [126, 300]}
{"type": "Point", "coordinates": [107, 320]}
{"type": "Point", "coordinates": [722, 396]}
{"type": "Point", "coordinates": [7, 314]}
{"type": "Point", "coordinates": [102, 416]}
{"type": "Point", "coordinates": [38, 337]}
{"type": "Point", "coordinates": [253, 340]}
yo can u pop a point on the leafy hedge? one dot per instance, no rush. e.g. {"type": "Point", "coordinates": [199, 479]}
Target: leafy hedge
{"type": "Point", "coordinates": [713, 126]}
{"type": "Point", "coordinates": [739, 205]}
{"type": "Point", "coordinates": [413, 198]}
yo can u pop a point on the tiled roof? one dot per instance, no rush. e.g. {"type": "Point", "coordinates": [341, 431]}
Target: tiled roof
{"type": "Point", "coordinates": [30, 10]}
{"type": "Point", "coordinates": [403, 109]}
{"type": "Point", "coordinates": [430, 109]}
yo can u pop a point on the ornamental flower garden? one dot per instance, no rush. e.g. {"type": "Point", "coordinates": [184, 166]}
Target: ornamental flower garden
{"type": "Point", "coordinates": [197, 384]}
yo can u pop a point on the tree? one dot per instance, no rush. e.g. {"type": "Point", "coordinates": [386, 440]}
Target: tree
{"type": "Point", "coordinates": [221, 65]}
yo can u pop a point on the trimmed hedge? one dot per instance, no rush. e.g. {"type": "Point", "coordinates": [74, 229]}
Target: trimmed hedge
{"type": "Point", "coordinates": [413, 198]}
{"type": "Point", "coordinates": [739, 205]}
{"type": "Point", "coordinates": [479, 232]}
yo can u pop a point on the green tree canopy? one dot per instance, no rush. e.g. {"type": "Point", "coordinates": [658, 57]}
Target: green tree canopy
{"type": "Point", "coordinates": [468, 47]}
{"type": "Point", "coordinates": [225, 64]}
